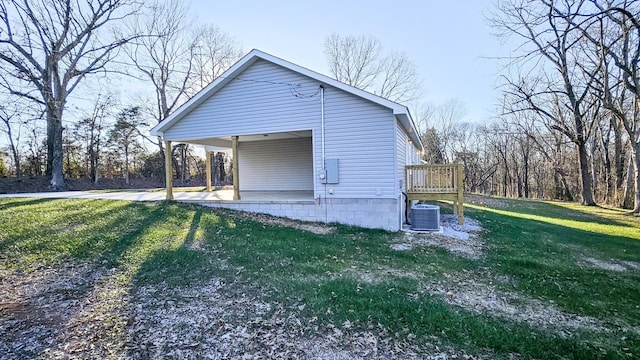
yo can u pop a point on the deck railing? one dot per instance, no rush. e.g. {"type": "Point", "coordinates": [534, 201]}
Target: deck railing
{"type": "Point", "coordinates": [436, 178]}
{"type": "Point", "coordinates": [437, 182]}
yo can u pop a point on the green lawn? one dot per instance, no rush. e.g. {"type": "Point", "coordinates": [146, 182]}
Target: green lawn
{"type": "Point", "coordinates": [571, 259]}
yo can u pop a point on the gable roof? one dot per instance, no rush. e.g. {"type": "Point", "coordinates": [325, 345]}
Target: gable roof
{"type": "Point", "coordinates": [400, 111]}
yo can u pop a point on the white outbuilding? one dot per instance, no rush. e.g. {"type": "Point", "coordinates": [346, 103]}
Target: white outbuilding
{"type": "Point", "coordinates": [304, 146]}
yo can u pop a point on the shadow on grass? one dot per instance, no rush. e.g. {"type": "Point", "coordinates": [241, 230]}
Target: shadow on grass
{"type": "Point", "coordinates": [186, 260]}
{"type": "Point", "coordinates": [182, 245]}
{"type": "Point", "coordinates": [12, 203]}
{"type": "Point", "coordinates": [81, 231]}
{"type": "Point", "coordinates": [195, 224]}
{"type": "Point", "coordinates": [132, 232]}
{"type": "Point", "coordinates": [568, 219]}
{"type": "Point", "coordinates": [80, 260]}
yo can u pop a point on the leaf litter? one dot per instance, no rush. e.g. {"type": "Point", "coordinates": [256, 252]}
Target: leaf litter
{"type": "Point", "coordinates": [265, 219]}
{"type": "Point", "coordinates": [83, 311]}
{"type": "Point", "coordinates": [75, 310]}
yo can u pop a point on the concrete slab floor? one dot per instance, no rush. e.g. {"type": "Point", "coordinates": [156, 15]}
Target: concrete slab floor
{"type": "Point", "coordinates": [218, 195]}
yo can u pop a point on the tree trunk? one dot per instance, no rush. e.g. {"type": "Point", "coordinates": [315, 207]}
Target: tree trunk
{"type": "Point", "coordinates": [618, 156]}
{"type": "Point", "coordinates": [563, 190]}
{"type": "Point", "coordinates": [525, 160]}
{"type": "Point", "coordinates": [51, 134]}
{"type": "Point", "coordinates": [14, 152]}
{"type": "Point", "coordinates": [94, 164]}
{"type": "Point", "coordinates": [635, 152]}
{"type": "Point", "coordinates": [609, 193]}
{"type": "Point", "coordinates": [628, 187]}
{"type": "Point", "coordinates": [618, 163]}
{"type": "Point", "coordinates": [54, 127]}
{"type": "Point", "coordinates": [504, 184]}
{"type": "Point", "coordinates": [585, 176]}
{"type": "Point", "coordinates": [96, 173]}
{"type": "Point", "coordinates": [214, 169]}
{"type": "Point", "coordinates": [594, 171]}
{"type": "Point", "coordinates": [126, 165]}
{"type": "Point", "coordinates": [183, 163]}
{"type": "Point", "coordinates": [161, 149]}
{"type": "Point", "coordinates": [221, 172]}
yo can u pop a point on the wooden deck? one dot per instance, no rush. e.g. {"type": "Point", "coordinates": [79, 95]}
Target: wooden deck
{"type": "Point", "coordinates": [437, 182]}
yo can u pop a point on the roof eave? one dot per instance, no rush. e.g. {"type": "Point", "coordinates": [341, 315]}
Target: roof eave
{"type": "Point", "coordinates": [407, 122]}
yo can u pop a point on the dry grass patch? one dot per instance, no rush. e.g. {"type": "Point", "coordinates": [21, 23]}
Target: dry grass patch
{"type": "Point", "coordinates": [610, 265]}
{"type": "Point", "coordinates": [483, 297]}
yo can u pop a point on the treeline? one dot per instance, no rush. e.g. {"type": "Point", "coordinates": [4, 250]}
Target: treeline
{"type": "Point", "coordinates": [108, 145]}
{"type": "Point", "coordinates": [63, 69]}
{"type": "Point", "coordinates": [568, 125]}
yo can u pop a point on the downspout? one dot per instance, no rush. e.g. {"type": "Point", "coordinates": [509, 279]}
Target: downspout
{"type": "Point", "coordinates": [322, 119]}
{"type": "Point", "coordinates": [323, 175]}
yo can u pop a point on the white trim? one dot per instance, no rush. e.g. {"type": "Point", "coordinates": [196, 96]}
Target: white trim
{"type": "Point", "coordinates": [401, 111]}
{"type": "Point", "coordinates": [391, 196]}
{"type": "Point", "coordinates": [395, 158]}
{"type": "Point", "coordinates": [220, 138]}
{"type": "Point", "coordinates": [398, 190]}
{"type": "Point", "coordinates": [315, 169]}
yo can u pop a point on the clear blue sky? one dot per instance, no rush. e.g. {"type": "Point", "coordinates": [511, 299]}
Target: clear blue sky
{"type": "Point", "coordinates": [449, 41]}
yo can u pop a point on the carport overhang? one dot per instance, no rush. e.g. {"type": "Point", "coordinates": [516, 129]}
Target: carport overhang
{"type": "Point", "coordinates": [222, 143]}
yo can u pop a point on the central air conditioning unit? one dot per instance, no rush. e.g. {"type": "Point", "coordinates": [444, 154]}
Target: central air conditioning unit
{"type": "Point", "coordinates": [425, 217]}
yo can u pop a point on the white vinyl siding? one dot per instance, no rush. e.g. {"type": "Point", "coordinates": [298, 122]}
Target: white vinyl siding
{"type": "Point", "coordinates": [401, 160]}
{"type": "Point", "coordinates": [359, 133]}
{"type": "Point", "coordinates": [284, 164]}
{"type": "Point", "coordinates": [263, 105]}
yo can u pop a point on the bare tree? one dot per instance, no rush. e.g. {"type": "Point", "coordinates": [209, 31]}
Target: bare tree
{"type": "Point", "coordinates": [11, 119]}
{"type": "Point", "coordinates": [560, 90]}
{"type": "Point", "coordinates": [47, 47]}
{"type": "Point", "coordinates": [359, 61]}
{"type": "Point", "coordinates": [446, 118]}
{"type": "Point", "coordinates": [164, 57]}
{"type": "Point", "coordinates": [124, 135]}
{"type": "Point", "coordinates": [177, 59]}
{"type": "Point", "coordinates": [614, 28]}
{"type": "Point", "coordinates": [215, 52]}
{"type": "Point", "coordinates": [90, 130]}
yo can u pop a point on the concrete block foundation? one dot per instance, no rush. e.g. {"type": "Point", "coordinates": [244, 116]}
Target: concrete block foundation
{"type": "Point", "coordinates": [368, 213]}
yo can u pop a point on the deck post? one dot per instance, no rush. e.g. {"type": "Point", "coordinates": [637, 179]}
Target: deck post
{"type": "Point", "coordinates": [168, 169]}
{"type": "Point", "coordinates": [207, 166]}
{"type": "Point", "coordinates": [460, 199]}
{"type": "Point", "coordinates": [455, 176]}
{"type": "Point", "coordinates": [236, 172]}
{"type": "Point", "coordinates": [407, 183]}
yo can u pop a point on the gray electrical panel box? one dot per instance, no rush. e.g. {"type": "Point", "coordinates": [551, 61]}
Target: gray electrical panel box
{"type": "Point", "coordinates": [331, 167]}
